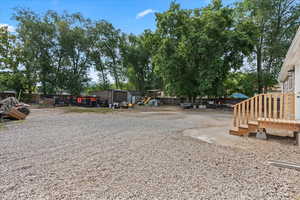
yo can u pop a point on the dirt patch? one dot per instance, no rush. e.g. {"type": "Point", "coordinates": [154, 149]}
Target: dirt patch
{"type": "Point", "coordinates": [87, 110]}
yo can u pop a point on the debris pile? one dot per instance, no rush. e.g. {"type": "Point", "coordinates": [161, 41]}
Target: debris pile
{"type": "Point", "coordinates": [13, 109]}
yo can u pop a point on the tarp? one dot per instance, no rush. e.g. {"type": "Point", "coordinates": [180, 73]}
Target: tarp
{"type": "Point", "coordinates": [239, 96]}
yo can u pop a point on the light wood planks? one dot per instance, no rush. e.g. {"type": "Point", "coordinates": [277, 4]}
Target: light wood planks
{"type": "Point", "coordinates": [275, 104]}
{"type": "Point", "coordinates": [267, 106]}
{"type": "Point", "coordinates": [14, 113]}
{"type": "Point", "coordinates": [235, 118]}
{"type": "Point", "coordinates": [270, 106]}
{"type": "Point", "coordinates": [256, 107]}
{"type": "Point", "coordinates": [260, 106]}
{"type": "Point", "coordinates": [281, 107]}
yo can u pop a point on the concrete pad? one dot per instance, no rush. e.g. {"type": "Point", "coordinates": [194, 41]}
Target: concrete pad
{"type": "Point", "coordinates": [214, 135]}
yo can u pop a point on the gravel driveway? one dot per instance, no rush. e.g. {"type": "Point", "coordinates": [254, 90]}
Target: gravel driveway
{"type": "Point", "coordinates": [138, 155]}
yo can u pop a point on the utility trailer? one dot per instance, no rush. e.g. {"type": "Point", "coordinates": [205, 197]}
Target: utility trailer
{"type": "Point", "coordinates": [87, 101]}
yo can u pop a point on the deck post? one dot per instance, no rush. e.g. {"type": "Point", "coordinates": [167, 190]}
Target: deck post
{"type": "Point", "coordinates": [297, 92]}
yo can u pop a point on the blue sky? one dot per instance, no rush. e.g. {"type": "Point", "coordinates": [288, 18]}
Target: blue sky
{"type": "Point", "coordinates": [123, 14]}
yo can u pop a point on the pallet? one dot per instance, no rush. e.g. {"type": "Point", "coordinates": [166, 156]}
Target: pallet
{"type": "Point", "coordinates": [14, 113]}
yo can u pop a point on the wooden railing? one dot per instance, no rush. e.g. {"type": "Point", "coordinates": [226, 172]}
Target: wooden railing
{"type": "Point", "coordinates": [266, 106]}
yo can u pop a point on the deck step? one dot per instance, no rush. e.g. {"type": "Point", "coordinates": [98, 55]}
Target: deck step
{"type": "Point", "coordinates": [234, 131]}
{"type": "Point", "coordinates": [255, 123]}
{"type": "Point", "coordinates": [244, 129]}
{"type": "Point", "coordinates": [243, 126]}
{"type": "Point", "coordinates": [253, 126]}
{"type": "Point", "coordinates": [239, 131]}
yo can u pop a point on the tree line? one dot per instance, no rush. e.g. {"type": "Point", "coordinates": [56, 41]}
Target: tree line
{"type": "Point", "coordinates": [192, 52]}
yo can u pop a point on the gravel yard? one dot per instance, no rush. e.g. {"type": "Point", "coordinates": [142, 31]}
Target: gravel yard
{"type": "Point", "coordinates": [140, 155]}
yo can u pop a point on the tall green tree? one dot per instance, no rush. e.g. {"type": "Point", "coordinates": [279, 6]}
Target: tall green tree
{"type": "Point", "coordinates": [198, 48]}
{"type": "Point", "coordinates": [109, 40]}
{"type": "Point", "coordinates": [76, 44]}
{"type": "Point", "coordinates": [11, 77]}
{"type": "Point", "coordinates": [35, 55]}
{"type": "Point", "coordinates": [276, 22]}
{"type": "Point", "coordinates": [99, 54]}
{"type": "Point", "coordinates": [55, 49]}
{"type": "Point", "coordinates": [241, 82]}
{"type": "Point", "coordinates": [137, 60]}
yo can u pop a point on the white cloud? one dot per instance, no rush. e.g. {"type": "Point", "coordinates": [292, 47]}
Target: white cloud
{"type": "Point", "coordinates": [9, 27]}
{"type": "Point", "coordinates": [144, 13]}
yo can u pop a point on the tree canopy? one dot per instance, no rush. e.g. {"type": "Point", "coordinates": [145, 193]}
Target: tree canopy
{"type": "Point", "coordinates": [191, 53]}
{"type": "Point", "coordinates": [198, 48]}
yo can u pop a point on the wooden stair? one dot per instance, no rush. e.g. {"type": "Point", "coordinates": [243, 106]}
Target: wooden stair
{"type": "Point", "coordinates": [242, 130]}
{"type": "Point", "coordinates": [265, 111]}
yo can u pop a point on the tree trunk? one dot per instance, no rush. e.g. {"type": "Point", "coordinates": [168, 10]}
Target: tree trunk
{"type": "Point", "coordinates": [259, 71]}
{"type": "Point", "coordinates": [44, 84]}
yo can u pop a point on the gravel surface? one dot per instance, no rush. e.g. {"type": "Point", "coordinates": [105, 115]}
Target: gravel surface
{"type": "Point", "coordinates": [138, 155]}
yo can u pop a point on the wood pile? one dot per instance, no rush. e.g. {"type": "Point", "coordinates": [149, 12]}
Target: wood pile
{"type": "Point", "coordinates": [14, 113]}
{"type": "Point", "coordinates": [11, 108]}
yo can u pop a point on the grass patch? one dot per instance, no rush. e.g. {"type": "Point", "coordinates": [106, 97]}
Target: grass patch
{"type": "Point", "coordinates": [87, 110]}
{"type": "Point", "coordinates": [41, 106]}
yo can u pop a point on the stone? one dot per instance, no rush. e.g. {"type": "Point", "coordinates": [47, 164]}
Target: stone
{"type": "Point", "coordinates": [261, 135]}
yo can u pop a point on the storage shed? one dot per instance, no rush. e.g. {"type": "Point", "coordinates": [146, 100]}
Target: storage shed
{"type": "Point", "coordinates": [112, 96]}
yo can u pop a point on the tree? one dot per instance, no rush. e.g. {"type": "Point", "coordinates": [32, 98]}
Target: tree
{"type": "Point", "coordinates": [137, 60]}
{"type": "Point", "coordinates": [98, 54]}
{"type": "Point", "coordinates": [31, 42]}
{"type": "Point", "coordinates": [55, 49]}
{"type": "Point", "coordinates": [76, 43]}
{"type": "Point", "coordinates": [241, 82]}
{"type": "Point", "coordinates": [11, 77]}
{"type": "Point", "coordinates": [198, 48]}
{"type": "Point", "coordinates": [276, 22]}
{"type": "Point", "coordinates": [7, 42]}
{"type": "Point", "coordinates": [108, 58]}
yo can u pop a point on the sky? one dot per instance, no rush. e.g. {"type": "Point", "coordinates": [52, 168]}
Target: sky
{"type": "Point", "coordinates": [131, 16]}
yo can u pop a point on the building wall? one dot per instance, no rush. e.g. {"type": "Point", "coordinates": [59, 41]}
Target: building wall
{"type": "Point", "coordinates": [292, 58]}
{"type": "Point", "coordinates": [289, 83]}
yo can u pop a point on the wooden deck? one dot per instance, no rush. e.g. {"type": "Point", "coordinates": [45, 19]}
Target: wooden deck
{"type": "Point", "coordinates": [265, 111]}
